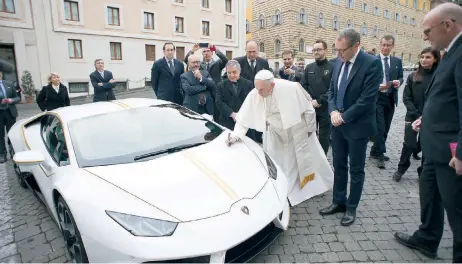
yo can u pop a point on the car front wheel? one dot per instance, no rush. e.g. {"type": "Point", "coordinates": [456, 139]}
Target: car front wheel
{"type": "Point", "coordinates": [71, 234]}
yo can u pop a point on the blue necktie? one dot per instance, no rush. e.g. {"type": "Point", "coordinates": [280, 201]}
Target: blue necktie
{"type": "Point", "coordinates": [343, 86]}
{"type": "Point", "coordinates": [387, 70]}
{"type": "Point", "coordinates": [3, 89]}
{"type": "Point", "coordinates": [170, 64]}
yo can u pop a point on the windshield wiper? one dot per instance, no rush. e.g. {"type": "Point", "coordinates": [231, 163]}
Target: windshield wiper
{"type": "Point", "coordinates": [169, 150]}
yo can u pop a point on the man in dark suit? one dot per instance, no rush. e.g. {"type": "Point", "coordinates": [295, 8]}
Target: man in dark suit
{"type": "Point", "coordinates": [289, 71]}
{"type": "Point", "coordinates": [387, 98]}
{"type": "Point", "coordinates": [355, 81]}
{"type": "Point", "coordinates": [440, 182]}
{"type": "Point", "coordinates": [231, 94]}
{"type": "Point", "coordinates": [250, 65]}
{"type": "Point", "coordinates": [8, 112]}
{"type": "Point", "coordinates": [165, 76]}
{"type": "Point", "coordinates": [103, 83]}
{"type": "Point", "coordinates": [199, 88]}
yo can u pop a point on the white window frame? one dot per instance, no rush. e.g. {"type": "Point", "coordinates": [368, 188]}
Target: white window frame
{"type": "Point", "coordinates": [209, 8]}
{"type": "Point", "coordinates": [178, 4]}
{"type": "Point", "coordinates": [184, 26]}
{"type": "Point", "coordinates": [210, 29]}
{"type": "Point", "coordinates": [232, 33]}
{"type": "Point", "coordinates": [232, 7]}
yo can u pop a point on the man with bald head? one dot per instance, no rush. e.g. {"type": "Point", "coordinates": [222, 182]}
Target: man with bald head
{"type": "Point", "coordinates": [440, 182]}
{"type": "Point", "coordinates": [251, 64]}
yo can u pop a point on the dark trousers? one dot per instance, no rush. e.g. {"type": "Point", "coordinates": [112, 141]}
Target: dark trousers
{"type": "Point", "coordinates": [440, 189]}
{"type": "Point", "coordinates": [410, 146]}
{"type": "Point", "coordinates": [385, 112]}
{"type": "Point", "coordinates": [324, 126]}
{"type": "Point", "coordinates": [342, 148]}
{"type": "Point", "coordinates": [6, 122]}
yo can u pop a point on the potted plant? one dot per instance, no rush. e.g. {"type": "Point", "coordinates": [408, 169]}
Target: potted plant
{"type": "Point", "coordinates": [28, 87]}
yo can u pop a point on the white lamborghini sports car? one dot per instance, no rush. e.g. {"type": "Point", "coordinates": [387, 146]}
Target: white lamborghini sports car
{"type": "Point", "coordinates": [145, 180]}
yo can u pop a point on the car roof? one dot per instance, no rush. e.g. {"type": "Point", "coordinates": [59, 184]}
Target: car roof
{"type": "Point", "coordinates": [69, 113]}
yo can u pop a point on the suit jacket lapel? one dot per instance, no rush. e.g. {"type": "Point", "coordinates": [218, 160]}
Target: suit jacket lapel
{"type": "Point", "coordinates": [166, 65]}
{"type": "Point", "coordinates": [98, 75]}
{"type": "Point", "coordinates": [356, 66]}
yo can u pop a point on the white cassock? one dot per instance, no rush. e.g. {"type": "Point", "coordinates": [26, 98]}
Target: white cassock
{"type": "Point", "coordinates": [285, 118]}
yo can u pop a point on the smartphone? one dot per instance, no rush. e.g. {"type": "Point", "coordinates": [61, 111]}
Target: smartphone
{"type": "Point", "coordinates": [203, 45]}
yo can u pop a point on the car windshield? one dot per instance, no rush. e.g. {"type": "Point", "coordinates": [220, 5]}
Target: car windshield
{"type": "Point", "coordinates": [137, 134]}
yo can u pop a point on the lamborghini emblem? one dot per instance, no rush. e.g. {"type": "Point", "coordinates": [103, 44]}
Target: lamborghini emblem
{"type": "Point", "coordinates": [245, 209]}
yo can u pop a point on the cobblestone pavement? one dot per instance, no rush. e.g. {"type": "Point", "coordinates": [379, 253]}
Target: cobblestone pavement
{"type": "Point", "coordinates": [28, 234]}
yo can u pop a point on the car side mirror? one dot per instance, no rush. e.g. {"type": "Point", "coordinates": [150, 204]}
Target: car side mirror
{"type": "Point", "coordinates": [28, 158]}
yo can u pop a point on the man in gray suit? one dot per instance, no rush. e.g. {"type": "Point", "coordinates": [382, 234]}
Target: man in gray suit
{"type": "Point", "coordinates": [8, 112]}
{"type": "Point", "coordinates": [198, 87]}
{"type": "Point", "coordinates": [289, 71]}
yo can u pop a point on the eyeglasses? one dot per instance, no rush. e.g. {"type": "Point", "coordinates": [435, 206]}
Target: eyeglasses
{"type": "Point", "coordinates": [428, 30]}
{"type": "Point", "coordinates": [343, 50]}
{"type": "Point", "coordinates": [317, 50]}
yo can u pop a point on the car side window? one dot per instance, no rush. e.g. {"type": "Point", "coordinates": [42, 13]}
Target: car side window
{"type": "Point", "coordinates": [53, 137]}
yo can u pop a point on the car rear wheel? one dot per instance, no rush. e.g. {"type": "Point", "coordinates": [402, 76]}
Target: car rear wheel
{"type": "Point", "coordinates": [17, 171]}
{"type": "Point", "coordinates": [71, 234]}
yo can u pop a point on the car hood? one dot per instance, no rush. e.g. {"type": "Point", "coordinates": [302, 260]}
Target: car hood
{"type": "Point", "coordinates": [195, 183]}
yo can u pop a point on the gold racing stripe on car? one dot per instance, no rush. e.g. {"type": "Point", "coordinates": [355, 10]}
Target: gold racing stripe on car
{"type": "Point", "coordinates": [211, 175]}
{"type": "Point", "coordinates": [120, 104]}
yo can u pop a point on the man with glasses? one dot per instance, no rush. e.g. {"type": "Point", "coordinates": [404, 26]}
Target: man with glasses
{"type": "Point", "coordinates": [440, 182]}
{"type": "Point", "coordinates": [352, 105]}
{"type": "Point", "coordinates": [316, 81]}
{"type": "Point", "coordinates": [387, 98]}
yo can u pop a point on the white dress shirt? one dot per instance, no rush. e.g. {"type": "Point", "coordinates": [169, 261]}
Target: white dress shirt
{"type": "Point", "coordinates": [352, 61]}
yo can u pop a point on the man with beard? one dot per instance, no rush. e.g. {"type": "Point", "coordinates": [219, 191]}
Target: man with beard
{"type": "Point", "coordinates": [316, 81]}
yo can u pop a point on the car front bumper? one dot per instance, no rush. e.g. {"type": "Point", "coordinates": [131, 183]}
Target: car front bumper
{"type": "Point", "coordinates": [231, 237]}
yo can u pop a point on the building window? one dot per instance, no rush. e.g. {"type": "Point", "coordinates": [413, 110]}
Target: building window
{"type": "Point", "coordinates": [334, 52]}
{"type": "Point", "coordinates": [320, 20]}
{"type": "Point", "coordinates": [229, 32]}
{"type": "Point", "coordinates": [179, 25]}
{"type": "Point", "coordinates": [262, 47]}
{"type": "Point", "coordinates": [397, 17]}
{"type": "Point", "coordinates": [113, 16]}
{"type": "Point", "coordinates": [7, 6]}
{"type": "Point", "coordinates": [414, 4]}
{"type": "Point", "coordinates": [336, 2]}
{"type": "Point", "coordinates": [335, 24]}
{"type": "Point", "coordinates": [349, 24]}
{"type": "Point", "coordinates": [71, 10]}
{"type": "Point", "coordinates": [376, 31]}
{"type": "Point", "coordinates": [180, 53]}
{"type": "Point", "coordinates": [78, 87]}
{"type": "Point", "coordinates": [364, 29]}
{"type": "Point", "coordinates": [261, 22]}
{"type": "Point", "coordinates": [148, 20]}
{"type": "Point", "coordinates": [277, 46]}
{"type": "Point", "coordinates": [74, 48]}
{"type": "Point", "coordinates": [302, 17]}
{"type": "Point", "coordinates": [229, 54]}
{"type": "Point", "coordinates": [228, 6]}
{"type": "Point", "coordinates": [409, 59]}
{"type": "Point", "coordinates": [365, 8]}
{"type": "Point", "coordinates": [178, 1]}
{"type": "Point", "coordinates": [247, 26]}
{"type": "Point", "coordinates": [150, 52]}
{"type": "Point", "coordinates": [277, 18]}
{"type": "Point", "coordinates": [205, 4]}
{"type": "Point", "coordinates": [350, 4]}
{"type": "Point", "coordinates": [205, 28]}
{"type": "Point", "coordinates": [376, 11]}
{"type": "Point", "coordinates": [386, 14]}
{"type": "Point", "coordinates": [116, 51]}
{"type": "Point", "coordinates": [301, 45]}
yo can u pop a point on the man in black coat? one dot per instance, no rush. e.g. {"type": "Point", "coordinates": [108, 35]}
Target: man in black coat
{"type": "Point", "coordinates": [387, 98]}
{"type": "Point", "coordinates": [316, 81]}
{"type": "Point", "coordinates": [103, 83]}
{"type": "Point", "coordinates": [440, 182]}
{"type": "Point", "coordinates": [165, 76]}
{"type": "Point", "coordinates": [231, 94]}
{"type": "Point", "coordinates": [8, 112]}
{"type": "Point", "coordinates": [250, 65]}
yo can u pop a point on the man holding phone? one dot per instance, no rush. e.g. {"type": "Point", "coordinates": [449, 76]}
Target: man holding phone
{"type": "Point", "coordinates": [8, 112]}
{"type": "Point", "coordinates": [387, 98]}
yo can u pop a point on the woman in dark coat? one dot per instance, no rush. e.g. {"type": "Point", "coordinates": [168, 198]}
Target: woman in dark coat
{"type": "Point", "coordinates": [413, 98]}
{"type": "Point", "coordinates": [53, 95]}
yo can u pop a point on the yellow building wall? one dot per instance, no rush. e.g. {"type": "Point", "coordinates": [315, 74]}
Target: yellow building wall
{"type": "Point", "coordinates": [248, 17]}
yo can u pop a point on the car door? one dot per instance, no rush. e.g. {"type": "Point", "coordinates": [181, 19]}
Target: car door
{"type": "Point", "coordinates": [55, 154]}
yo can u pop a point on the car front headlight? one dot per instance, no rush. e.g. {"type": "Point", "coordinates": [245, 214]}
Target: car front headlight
{"type": "Point", "coordinates": [272, 170]}
{"type": "Point", "coordinates": [143, 226]}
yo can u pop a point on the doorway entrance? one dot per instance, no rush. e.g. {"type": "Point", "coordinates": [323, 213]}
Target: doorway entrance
{"type": "Point", "coordinates": [7, 54]}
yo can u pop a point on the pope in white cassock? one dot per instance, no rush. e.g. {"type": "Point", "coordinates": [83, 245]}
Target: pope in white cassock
{"type": "Point", "coordinates": [282, 110]}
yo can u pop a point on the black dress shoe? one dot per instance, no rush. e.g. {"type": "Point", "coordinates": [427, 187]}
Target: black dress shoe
{"type": "Point", "coordinates": [397, 176]}
{"type": "Point", "coordinates": [349, 218]}
{"type": "Point", "coordinates": [407, 240]}
{"type": "Point", "coordinates": [381, 163]}
{"type": "Point", "coordinates": [385, 158]}
{"type": "Point", "coordinates": [416, 156]}
{"type": "Point", "coordinates": [2, 159]}
{"type": "Point", "coordinates": [333, 209]}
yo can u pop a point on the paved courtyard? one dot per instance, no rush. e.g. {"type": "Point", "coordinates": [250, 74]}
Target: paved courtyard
{"type": "Point", "coordinates": [28, 234]}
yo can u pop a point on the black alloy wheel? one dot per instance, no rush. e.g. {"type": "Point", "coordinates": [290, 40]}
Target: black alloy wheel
{"type": "Point", "coordinates": [17, 171]}
{"type": "Point", "coordinates": [71, 234]}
